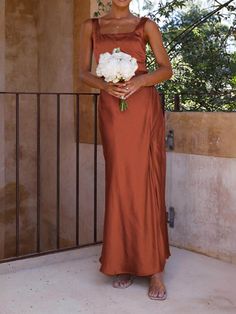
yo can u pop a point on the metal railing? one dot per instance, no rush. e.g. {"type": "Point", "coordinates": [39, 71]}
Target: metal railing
{"type": "Point", "coordinates": [222, 101]}
{"type": "Point", "coordinates": [38, 250]}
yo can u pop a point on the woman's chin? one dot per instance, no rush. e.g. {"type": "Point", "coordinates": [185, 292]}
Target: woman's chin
{"type": "Point", "coordinates": [121, 3]}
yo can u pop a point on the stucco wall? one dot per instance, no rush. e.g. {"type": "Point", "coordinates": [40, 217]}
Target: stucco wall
{"type": "Point", "coordinates": [21, 74]}
{"type": "Point", "coordinates": [201, 182]}
{"type": "Point", "coordinates": [2, 136]}
{"type": "Point", "coordinates": [40, 39]}
{"type": "Point", "coordinates": [55, 34]}
{"type": "Point", "coordinates": [2, 45]}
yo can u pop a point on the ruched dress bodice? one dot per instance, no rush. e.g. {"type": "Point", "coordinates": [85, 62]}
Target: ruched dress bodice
{"type": "Point", "coordinates": [132, 43]}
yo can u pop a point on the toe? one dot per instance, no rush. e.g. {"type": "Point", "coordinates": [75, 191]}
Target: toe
{"type": "Point", "coordinates": [125, 282]}
{"type": "Point", "coordinates": [153, 291]}
{"type": "Point", "coordinates": [122, 283]}
{"type": "Point", "coordinates": [156, 295]}
{"type": "Point", "coordinates": [115, 284]}
{"type": "Point", "coordinates": [161, 293]}
{"type": "Point", "coordinates": [156, 292]}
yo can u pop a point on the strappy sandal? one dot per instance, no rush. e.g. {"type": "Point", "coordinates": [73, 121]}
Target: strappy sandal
{"type": "Point", "coordinates": [157, 297]}
{"type": "Point", "coordinates": [118, 279]}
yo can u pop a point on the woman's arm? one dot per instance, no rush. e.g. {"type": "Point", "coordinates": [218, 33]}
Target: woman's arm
{"type": "Point", "coordinates": [85, 56]}
{"type": "Point", "coordinates": [85, 61]}
{"type": "Point", "coordinates": [164, 71]}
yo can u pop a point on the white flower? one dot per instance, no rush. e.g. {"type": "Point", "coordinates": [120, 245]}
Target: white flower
{"type": "Point", "coordinates": [116, 66]}
{"type": "Point", "coordinates": [104, 57]}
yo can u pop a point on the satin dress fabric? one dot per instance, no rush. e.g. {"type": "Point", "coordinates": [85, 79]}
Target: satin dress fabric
{"type": "Point", "coordinates": [135, 234]}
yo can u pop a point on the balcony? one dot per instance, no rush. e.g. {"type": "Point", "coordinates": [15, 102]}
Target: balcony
{"type": "Point", "coordinates": [70, 282]}
{"type": "Point", "coordinates": [60, 258]}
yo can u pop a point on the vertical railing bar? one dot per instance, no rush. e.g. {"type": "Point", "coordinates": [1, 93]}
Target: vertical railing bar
{"type": "Point", "coordinates": [17, 175]}
{"type": "Point", "coordinates": [176, 102]}
{"type": "Point", "coordinates": [38, 174]}
{"type": "Point", "coordinates": [95, 168]}
{"type": "Point", "coordinates": [162, 97]}
{"type": "Point", "coordinates": [77, 166]}
{"type": "Point", "coordinates": [58, 171]}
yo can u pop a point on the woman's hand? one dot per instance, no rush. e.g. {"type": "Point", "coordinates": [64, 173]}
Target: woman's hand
{"type": "Point", "coordinates": [115, 89]}
{"type": "Point", "coordinates": [133, 85]}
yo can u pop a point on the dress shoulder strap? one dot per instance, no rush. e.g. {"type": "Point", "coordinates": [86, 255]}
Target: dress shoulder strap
{"type": "Point", "coordinates": [142, 22]}
{"type": "Point", "coordinates": [140, 26]}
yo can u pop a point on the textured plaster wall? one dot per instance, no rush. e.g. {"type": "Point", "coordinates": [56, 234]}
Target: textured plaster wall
{"type": "Point", "coordinates": [2, 45]}
{"type": "Point", "coordinates": [2, 142]}
{"type": "Point", "coordinates": [201, 189]}
{"type": "Point", "coordinates": [201, 182]}
{"type": "Point", "coordinates": [58, 28]}
{"type": "Point", "coordinates": [21, 45]}
{"type": "Point", "coordinates": [40, 55]}
{"type": "Point", "coordinates": [55, 34]}
{"type": "Point", "coordinates": [21, 74]}
{"type": "Point", "coordinates": [209, 133]}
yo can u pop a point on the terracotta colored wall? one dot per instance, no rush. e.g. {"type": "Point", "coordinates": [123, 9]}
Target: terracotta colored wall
{"type": "Point", "coordinates": [210, 134]}
{"type": "Point", "coordinates": [55, 33]}
{"type": "Point", "coordinates": [21, 73]}
{"type": "Point", "coordinates": [40, 38]}
{"type": "Point", "coordinates": [82, 11]}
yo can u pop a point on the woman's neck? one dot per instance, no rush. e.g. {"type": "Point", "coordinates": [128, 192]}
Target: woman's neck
{"type": "Point", "coordinates": [119, 13]}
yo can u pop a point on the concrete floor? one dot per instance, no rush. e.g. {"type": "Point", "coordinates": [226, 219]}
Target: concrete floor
{"type": "Point", "coordinates": [69, 283]}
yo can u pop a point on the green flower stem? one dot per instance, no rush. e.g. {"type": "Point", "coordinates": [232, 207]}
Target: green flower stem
{"type": "Point", "coordinates": [123, 105]}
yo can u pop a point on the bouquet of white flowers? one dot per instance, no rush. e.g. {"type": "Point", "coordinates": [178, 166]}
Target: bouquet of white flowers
{"type": "Point", "coordinates": [117, 67]}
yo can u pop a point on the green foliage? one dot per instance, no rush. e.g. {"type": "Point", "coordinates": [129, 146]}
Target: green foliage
{"type": "Point", "coordinates": [204, 69]}
{"type": "Point", "coordinates": [165, 9]}
{"type": "Point", "coordinates": [197, 42]}
{"type": "Point", "coordinates": [102, 8]}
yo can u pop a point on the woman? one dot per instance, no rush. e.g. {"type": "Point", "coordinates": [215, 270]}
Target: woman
{"type": "Point", "coordinates": [135, 237]}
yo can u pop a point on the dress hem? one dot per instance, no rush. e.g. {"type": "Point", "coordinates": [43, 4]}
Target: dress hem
{"type": "Point", "coordinates": [133, 273]}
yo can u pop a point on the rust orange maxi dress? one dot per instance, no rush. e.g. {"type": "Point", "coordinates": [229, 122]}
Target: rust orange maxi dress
{"type": "Point", "coordinates": [135, 235]}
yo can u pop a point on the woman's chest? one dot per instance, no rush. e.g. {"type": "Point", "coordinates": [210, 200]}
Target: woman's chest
{"type": "Point", "coordinates": [134, 45]}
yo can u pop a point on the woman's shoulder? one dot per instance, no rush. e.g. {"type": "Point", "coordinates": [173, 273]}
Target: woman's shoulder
{"type": "Point", "coordinates": [150, 24]}
{"type": "Point", "coordinates": [88, 22]}
{"type": "Point", "coordinates": [149, 21]}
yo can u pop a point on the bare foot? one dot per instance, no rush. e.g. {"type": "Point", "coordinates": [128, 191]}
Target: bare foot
{"type": "Point", "coordinates": [157, 289]}
{"type": "Point", "coordinates": [122, 281]}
